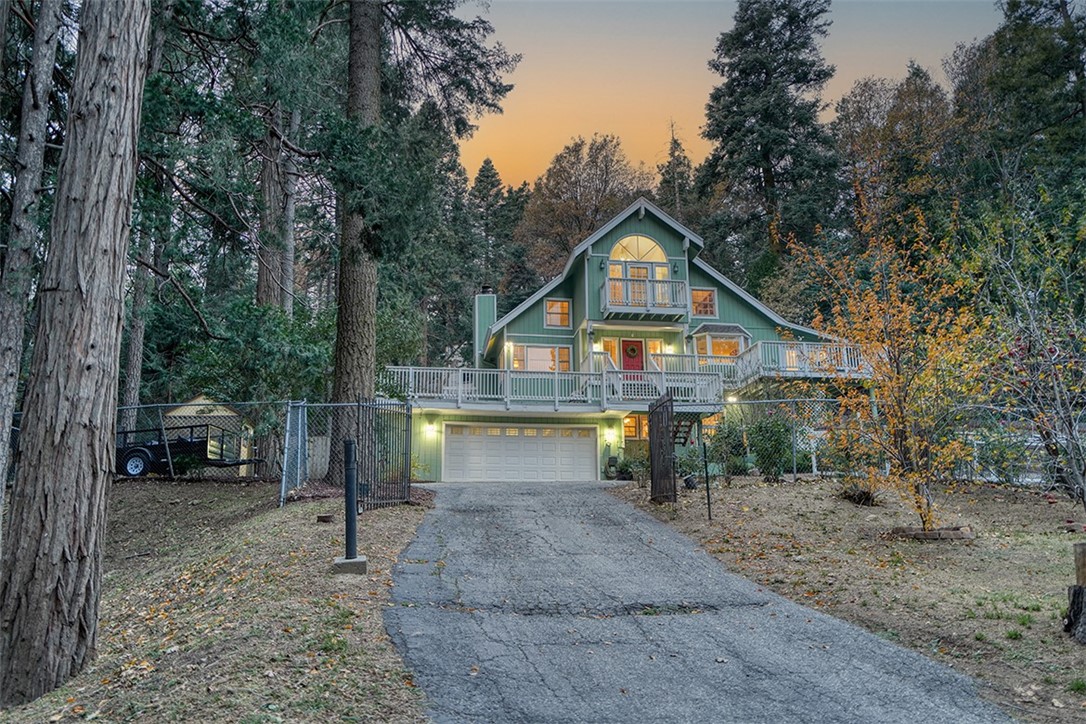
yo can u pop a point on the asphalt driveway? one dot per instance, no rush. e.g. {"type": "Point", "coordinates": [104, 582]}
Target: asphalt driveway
{"type": "Point", "coordinates": [559, 603]}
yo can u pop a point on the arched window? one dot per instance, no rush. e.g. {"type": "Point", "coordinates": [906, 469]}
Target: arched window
{"type": "Point", "coordinates": [636, 247]}
{"type": "Point", "coordinates": [636, 263]}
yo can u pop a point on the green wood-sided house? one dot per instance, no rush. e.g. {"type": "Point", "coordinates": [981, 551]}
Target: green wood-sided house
{"type": "Point", "coordinates": [564, 381]}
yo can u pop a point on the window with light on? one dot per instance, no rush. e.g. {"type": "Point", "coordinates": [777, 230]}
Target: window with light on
{"type": "Point", "coordinates": [718, 346]}
{"type": "Point", "coordinates": [557, 313]}
{"type": "Point", "coordinates": [704, 301]}
{"type": "Point", "coordinates": [538, 358]}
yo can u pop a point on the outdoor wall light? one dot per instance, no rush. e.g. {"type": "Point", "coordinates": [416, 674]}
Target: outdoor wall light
{"type": "Point", "coordinates": [430, 429]}
{"type": "Point", "coordinates": [733, 398]}
{"type": "Point", "coordinates": [675, 267]}
{"type": "Point", "coordinates": [609, 436]}
{"type": "Point", "coordinates": [603, 263]}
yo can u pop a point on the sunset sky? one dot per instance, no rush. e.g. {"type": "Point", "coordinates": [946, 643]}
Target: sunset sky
{"type": "Point", "coordinates": [631, 67]}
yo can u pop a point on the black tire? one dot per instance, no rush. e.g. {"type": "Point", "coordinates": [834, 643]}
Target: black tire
{"type": "Point", "coordinates": [136, 463]}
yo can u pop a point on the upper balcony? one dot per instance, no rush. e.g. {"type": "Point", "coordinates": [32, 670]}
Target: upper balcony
{"type": "Point", "coordinates": [632, 298]}
{"type": "Point", "coordinates": [692, 379]}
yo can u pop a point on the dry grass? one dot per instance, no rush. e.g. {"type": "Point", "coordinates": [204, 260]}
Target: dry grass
{"type": "Point", "coordinates": [219, 606]}
{"type": "Point", "coordinates": [992, 607]}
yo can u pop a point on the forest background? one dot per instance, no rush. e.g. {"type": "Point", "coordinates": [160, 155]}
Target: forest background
{"type": "Point", "coordinates": [232, 278]}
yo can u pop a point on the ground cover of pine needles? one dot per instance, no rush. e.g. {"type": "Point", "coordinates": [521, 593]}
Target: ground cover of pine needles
{"type": "Point", "coordinates": [991, 607]}
{"type": "Point", "coordinates": [219, 606]}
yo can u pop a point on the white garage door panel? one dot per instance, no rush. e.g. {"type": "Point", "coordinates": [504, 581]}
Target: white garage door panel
{"type": "Point", "coordinates": [519, 452]}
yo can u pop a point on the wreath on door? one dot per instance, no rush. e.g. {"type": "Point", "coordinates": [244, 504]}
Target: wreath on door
{"type": "Point", "coordinates": [632, 350]}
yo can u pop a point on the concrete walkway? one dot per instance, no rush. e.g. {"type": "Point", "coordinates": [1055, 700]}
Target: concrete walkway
{"type": "Point", "coordinates": [559, 603]}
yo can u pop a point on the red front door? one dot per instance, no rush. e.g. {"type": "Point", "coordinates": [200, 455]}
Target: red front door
{"type": "Point", "coordinates": [633, 354]}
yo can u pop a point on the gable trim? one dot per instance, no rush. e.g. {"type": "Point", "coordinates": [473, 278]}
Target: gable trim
{"type": "Point", "coordinates": [746, 297]}
{"type": "Point", "coordinates": [640, 206]}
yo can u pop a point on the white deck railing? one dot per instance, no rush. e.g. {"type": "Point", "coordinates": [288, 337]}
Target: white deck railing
{"type": "Point", "coordinates": [689, 378]}
{"type": "Point", "coordinates": [810, 359]}
{"type": "Point", "coordinates": [463, 385]}
{"type": "Point", "coordinates": [660, 296]}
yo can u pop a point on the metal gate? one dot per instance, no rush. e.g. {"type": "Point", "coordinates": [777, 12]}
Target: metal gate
{"type": "Point", "coordinates": [384, 453]}
{"type": "Point", "coordinates": [381, 430]}
{"type": "Point", "coordinates": [662, 450]}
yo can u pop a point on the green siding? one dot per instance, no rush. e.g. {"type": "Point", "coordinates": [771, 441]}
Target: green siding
{"type": "Point", "coordinates": [426, 445]}
{"type": "Point", "coordinates": [733, 309]}
{"type": "Point", "coordinates": [670, 336]}
{"type": "Point", "coordinates": [650, 226]}
{"type": "Point", "coordinates": [580, 302]}
{"type": "Point", "coordinates": [528, 327]}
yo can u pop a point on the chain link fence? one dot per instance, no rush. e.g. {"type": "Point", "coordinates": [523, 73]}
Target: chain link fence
{"type": "Point", "coordinates": [769, 438]}
{"type": "Point", "coordinates": [1008, 448]}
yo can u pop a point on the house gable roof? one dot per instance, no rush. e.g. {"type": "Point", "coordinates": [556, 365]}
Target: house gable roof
{"type": "Point", "coordinates": [746, 297]}
{"type": "Point", "coordinates": [640, 207]}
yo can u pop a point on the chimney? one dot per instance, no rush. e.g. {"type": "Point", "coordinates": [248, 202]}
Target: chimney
{"type": "Point", "coordinates": [486, 313]}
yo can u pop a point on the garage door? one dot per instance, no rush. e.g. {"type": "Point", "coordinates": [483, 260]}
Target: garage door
{"type": "Point", "coordinates": [520, 452]}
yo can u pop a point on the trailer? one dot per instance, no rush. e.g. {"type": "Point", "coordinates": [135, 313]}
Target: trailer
{"type": "Point", "coordinates": [178, 449]}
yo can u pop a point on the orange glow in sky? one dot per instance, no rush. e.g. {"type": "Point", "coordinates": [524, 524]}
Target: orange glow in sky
{"type": "Point", "coordinates": [634, 67]}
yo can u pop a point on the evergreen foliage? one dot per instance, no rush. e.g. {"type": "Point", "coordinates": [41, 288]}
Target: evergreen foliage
{"type": "Point", "coordinates": [771, 173]}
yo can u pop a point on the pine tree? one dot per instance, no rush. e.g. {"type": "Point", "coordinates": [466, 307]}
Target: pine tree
{"type": "Point", "coordinates": [773, 165]}
{"type": "Point", "coordinates": [675, 191]}
{"type": "Point", "coordinates": [486, 198]}
{"type": "Point", "coordinates": [52, 574]}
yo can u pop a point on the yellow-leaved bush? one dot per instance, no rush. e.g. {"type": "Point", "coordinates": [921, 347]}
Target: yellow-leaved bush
{"type": "Point", "coordinates": [900, 305]}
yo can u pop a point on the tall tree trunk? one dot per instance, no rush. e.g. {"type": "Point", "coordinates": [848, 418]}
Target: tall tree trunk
{"type": "Point", "coordinates": [142, 283]}
{"type": "Point", "coordinates": [356, 299]}
{"type": "Point", "coordinates": [52, 566]}
{"type": "Point", "coordinates": [269, 251]}
{"type": "Point", "coordinates": [356, 332]}
{"type": "Point", "coordinates": [290, 184]}
{"type": "Point", "coordinates": [23, 234]}
{"type": "Point", "coordinates": [5, 8]}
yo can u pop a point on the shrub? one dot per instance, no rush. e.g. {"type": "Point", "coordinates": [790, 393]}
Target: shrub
{"type": "Point", "coordinates": [633, 465]}
{"type": "Point", "coordinates": [771, 442]}
{"type": "Point", "coordinates": [688, 461]}
{"type": "Point", "coordinates": [1001, 455]}
{"type": "Point", "coordinates": [727, 450]}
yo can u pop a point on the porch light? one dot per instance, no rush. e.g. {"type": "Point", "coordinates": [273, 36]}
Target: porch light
{"type": "Point", "coordinates": [597, 346]}
{"type": "Point", "coordinates": [609, 436]}
{"type": "Point", "coordinates": [430, 429]}
{"type": "Point", "coordinates": [603, 263]}
{"type": "Point", "coordinates": [733, 398]}
{"type": "Point", "coordinates": [669, 348]}
{"type": "Point", "coordinates": [674, 267]}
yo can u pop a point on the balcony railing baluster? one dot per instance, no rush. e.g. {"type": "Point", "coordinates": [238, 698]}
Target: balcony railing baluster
{"type": "Point", "coordinates": [691, 378]}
